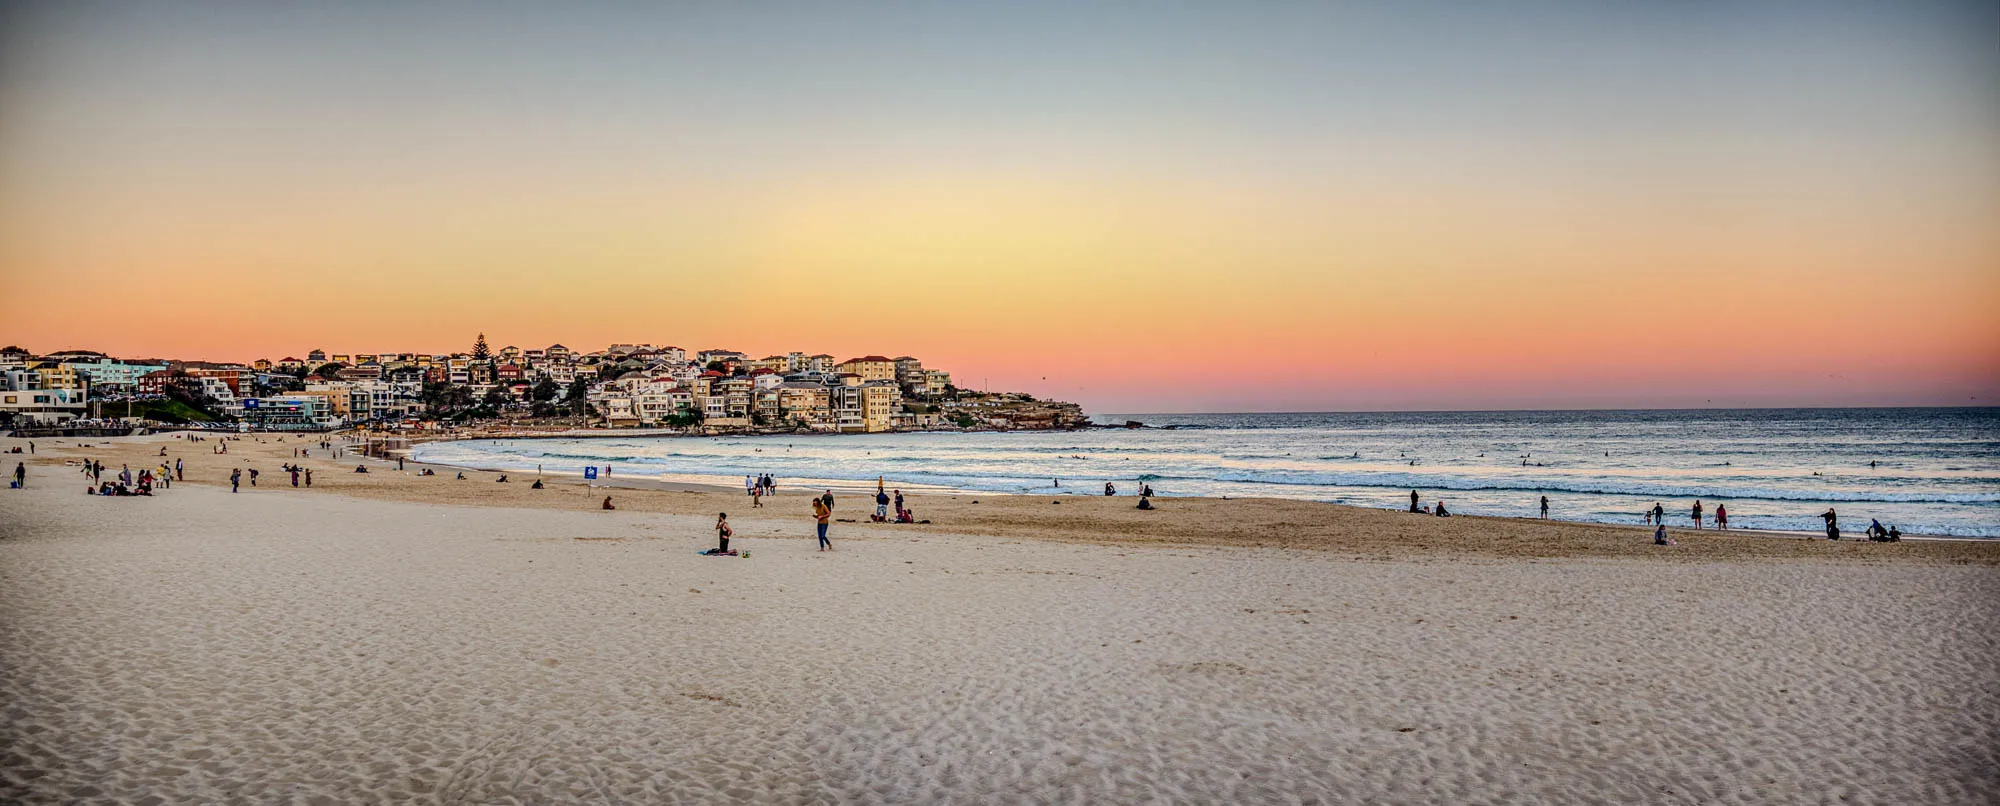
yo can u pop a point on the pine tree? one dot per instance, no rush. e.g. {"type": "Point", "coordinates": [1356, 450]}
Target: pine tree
{"type": "Point", "coordinates": [480, 352]}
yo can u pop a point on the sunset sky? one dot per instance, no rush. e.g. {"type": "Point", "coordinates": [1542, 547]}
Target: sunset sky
{"type": "Point", "coordinates": [1141, 207]}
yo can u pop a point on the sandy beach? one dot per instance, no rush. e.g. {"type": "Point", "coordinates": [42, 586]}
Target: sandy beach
{"type": "Point", "coordinates": [386, 637]}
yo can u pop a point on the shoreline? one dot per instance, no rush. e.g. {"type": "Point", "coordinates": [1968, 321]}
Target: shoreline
{"type": "Point", "coordinates": [719, 483]}
{"type": "Point", "coordinates": [1251, 522]}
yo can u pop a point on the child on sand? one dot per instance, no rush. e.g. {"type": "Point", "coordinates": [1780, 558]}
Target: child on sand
{"type": "Point", "coordinates": [1660, 536]}
{"type": "Point", "coordinates": [607, 503]}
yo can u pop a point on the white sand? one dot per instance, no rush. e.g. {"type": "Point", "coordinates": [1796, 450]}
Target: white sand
{"type": "Point", "coordinates": [203, 647]}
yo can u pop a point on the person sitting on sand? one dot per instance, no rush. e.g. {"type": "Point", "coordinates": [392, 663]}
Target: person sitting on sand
{"type": "Point", "coordinates": [502, 479]}
{"type": "Point", "coordinates": [1110, 490]}
{"type": "Point", "coordinates": [461, 475]}
{"type": "Point", "coordinates": [1876, 532]}
{"type": "Point", "coordinates": [1660, 536]}
{"type": "Point", "coordinates": [1145, 502]}
{"type": "Point", "coordinates": [536, 486]}
{"type": "Point", "coordinates": [607, 503]}
{"type": "Point", "coordinates": [1441, 511]}
{"type": "Point", "coordinates": [1895, 535]}
{"type": "Point", "coordinates": [358, 469]}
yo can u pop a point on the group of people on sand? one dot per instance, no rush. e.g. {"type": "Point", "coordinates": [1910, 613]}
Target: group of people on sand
{"type": "Point", "coordinates": [125, 483]}
{"type": "Point", "coordinates": [1418, 507]}
{"type": "Point", "coordinates": [1657, 516]}
{"type": "Point", "coordinates": [1698, 514]}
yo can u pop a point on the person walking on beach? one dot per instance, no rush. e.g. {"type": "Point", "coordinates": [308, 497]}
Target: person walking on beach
{"type": "Point", "coordinates": [1659, 513]}
{"type": "Point", "coordinates": [757, 497]}
{"type": "Point", "coordinates": [821, 513]}
{"type": "Point", "coordinates": [1545, 507]}
{"type": "Point", "coordinates": [309, 477]}
{"type": "Point", "coordinates": [827, 500]}
{"type": "Point", "coordinates": [295, 475]}
{"type": "Point", "coordinates": [235, 479]}
{"type": "Point", "coordinates": [749, 485]}
{"type": "Point", "coordinates": [253, 477]}
{"type": "Point", "coordinates": [1697, 515]}
{"type": "Point", "coordinates": [1721, 517]}
{"type": "Point", "coordinates": [722, 533]}
{"type": "Point", "coordinates": [21, 475]}
{"type": "Point", "coordinates": [178, 474]}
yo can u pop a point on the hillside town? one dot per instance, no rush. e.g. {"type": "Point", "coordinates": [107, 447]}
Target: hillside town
{"type": "Point", "coordinates": [544, 388]}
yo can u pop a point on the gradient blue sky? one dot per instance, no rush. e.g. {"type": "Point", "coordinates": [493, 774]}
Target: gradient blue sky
{"type": "Point", "coordinates": [1427, 205]}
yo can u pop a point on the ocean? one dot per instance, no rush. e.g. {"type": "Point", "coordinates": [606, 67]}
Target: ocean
{"type": "Point", "coordinates": [1925, 471]}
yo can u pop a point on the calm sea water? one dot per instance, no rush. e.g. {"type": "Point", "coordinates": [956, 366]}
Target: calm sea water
{"type": "Point", "coordinates": [1933, 471]}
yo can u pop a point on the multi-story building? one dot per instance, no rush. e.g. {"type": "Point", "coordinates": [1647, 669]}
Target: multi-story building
{"type": "Point", "coordinates": [61, 376]}
{"type": "Point", "coordinates": [909, 373]}
{"type": "Point", "coordinates": [707, 357]}
{"type": "Point", "coordinates": [870, 368]}
{"type": "Point", "coordinates": [736, 393]}
{"type": "Point", "coordinates": [21, 401]}
{"type": "Point", "coordinates": [846, 402]}
{"type": "Point", "coordinates": [810, 402]}
{"type": "Point", "coordinates": [817, 363]}
{"type": "Point", "coordinates": [285, 413]}
{"type": "Point", "coordinates": [881, 401]}
{"type": "Point", "coordinates": [936, 382]}
{"type": "Point", "coordinates": [109, 372]}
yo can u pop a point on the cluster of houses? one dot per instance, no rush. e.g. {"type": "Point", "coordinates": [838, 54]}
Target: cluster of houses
{"type": "Point", "coordinates": [636, 385]}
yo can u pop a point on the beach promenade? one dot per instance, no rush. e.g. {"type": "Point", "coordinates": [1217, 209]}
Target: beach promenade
{"type": "Point", "coordinates": [386, 637]}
